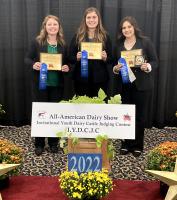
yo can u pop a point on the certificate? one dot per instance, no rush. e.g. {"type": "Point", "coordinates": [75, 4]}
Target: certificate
{"type": "Point", "coordinates": [134, 58]}
{"type": "Point", "coordinates": [94, 49]}
{"type": "Point", "coordinates": [53, 61]}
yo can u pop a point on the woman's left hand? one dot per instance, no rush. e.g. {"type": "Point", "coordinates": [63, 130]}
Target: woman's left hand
{"type": "Point", "coordinates": [104, 55]}
{"type": "Point", "coordinates": [65, 68]}
{"type": "Point", "coordinates": [144, 67]}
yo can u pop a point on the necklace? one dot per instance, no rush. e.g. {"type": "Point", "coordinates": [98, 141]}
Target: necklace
{"type": "Point", "coordinates": [52, 45]}
{"type": "Point", "coordinates": [129, 44]}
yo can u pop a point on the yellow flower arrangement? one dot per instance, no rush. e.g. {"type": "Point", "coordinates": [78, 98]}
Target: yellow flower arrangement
{"type": "Point", "coordinates": [163, 157]}
{"type": "Point", "coordinates": [10, 154]}
{"type": "Point", "coordinates": [91, 185]}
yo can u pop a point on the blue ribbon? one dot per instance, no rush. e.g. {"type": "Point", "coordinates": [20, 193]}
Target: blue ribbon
{"type": "Point", "coordinates": [84, 64]}
{"type": "Point", "coordinates": [124, 70]}
{"type": "Point", "coordinates": [43, 77]}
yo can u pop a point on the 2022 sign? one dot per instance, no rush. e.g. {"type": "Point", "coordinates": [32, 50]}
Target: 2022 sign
{"type": "Point", "coordinates": [84, 162]}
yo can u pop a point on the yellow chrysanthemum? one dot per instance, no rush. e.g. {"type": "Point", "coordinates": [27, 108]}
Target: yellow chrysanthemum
{"type": "Point", "coordinates": [89, 184]}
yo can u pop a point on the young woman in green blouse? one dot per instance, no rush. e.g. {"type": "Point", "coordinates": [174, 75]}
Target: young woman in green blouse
{"type": "Point", "coordinates": [50, 40]}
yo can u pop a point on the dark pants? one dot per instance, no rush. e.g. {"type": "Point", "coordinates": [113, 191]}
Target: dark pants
{"type": "Point", "coordinates": [130, 95]}
{"type": "Point", "coordinates": [51, 94]}
{"type": "Point", "coordinates": [40, 142]}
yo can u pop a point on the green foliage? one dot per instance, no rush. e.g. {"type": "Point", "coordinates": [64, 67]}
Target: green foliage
{"type": "Point", "coordinates": [64, 135]}
{"type": "Point", "coordinates": [95, 100]}
{"type": "Point", "coordinates": [100, 139]}
{"type": "Point", "coordinates": [84, 99]}
{"type": "Point", "coordinates": [154, 160]}
{"type": "Point", "coordinates": [1, 110]}
{"type": "Point", "coordinates": [110, 147]}
{"type": "Point", "coordinates": [10, 154]}
{"type": "Point", "coordinates": [110, 150]}
{"type": "Point", "coordinates": [75, 140]}
{"type": "Point", "coordinates": [115, 100]}
{"type": "Point", "coordinates": [101, 94]}
{"type": "Point", "coordinates": [162, 157]}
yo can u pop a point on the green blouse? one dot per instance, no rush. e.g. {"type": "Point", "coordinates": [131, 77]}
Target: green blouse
{"type": "Point", "coordinates": [52, 77]}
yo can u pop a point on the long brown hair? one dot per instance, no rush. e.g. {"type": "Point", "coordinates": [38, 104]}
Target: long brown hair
{"type": "Point", "coordinates": [100, 32]}
{"type": "Point", "coordinates": [42, 37]}
{"type": "Point", "coordinates": [133, 22]}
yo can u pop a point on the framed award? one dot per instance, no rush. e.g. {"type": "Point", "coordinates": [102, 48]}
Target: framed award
{"type": "Point", "coordinates": [53, 61]}
{"type": "Point", "coordinates": [94, 49]}
{"type": "Point", "coordinates": [134, 58]}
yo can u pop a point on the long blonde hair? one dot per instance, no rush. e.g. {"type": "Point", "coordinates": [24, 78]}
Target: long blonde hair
{"type": "Point", "coordinates": [42, 37]}
{"type": "Point", "coordinates": [100, 32]}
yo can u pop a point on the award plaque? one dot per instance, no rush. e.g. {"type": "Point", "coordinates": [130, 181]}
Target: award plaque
{"type": "Point", "coordinates": [94, 49]}
{"type": "Point", "coordinates": [134, 58]}
{"type": "Point", "coordinates": [53, 61]}
{"type": "Point", "coordinates": [139, 60]}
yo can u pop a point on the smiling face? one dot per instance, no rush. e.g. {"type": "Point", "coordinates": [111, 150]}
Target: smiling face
{"type": "Point", "coordinates": [91, 20]}
{"type": "Point", "coordinates": [52, 27]}
{"type": "Point", "coordinates": [128, 30]}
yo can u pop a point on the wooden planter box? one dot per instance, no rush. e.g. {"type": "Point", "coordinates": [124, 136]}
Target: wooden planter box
{"type": "Point", "coordinates": [89, 146]}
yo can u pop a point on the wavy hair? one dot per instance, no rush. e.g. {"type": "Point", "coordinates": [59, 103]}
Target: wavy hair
{"type": "Point", "coordinates": [42, 37]}
{"type": "Point", "coordinates": [100, 32]}
{"type": "Point", "coordinates": [133, 22]}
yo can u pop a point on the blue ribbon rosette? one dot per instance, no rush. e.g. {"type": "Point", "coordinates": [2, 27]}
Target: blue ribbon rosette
{"type": "Point", "coordinates": [84, 64]}
{"type": "Point", "coordinates": [124, 70]}
{"type": "Point", "coordinates": [43, 77]}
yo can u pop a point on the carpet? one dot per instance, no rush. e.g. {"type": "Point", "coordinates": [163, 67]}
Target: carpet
{"type": "Point", "coordinates": [48, 164]}
{"type": "Point", "coordinates": [47, 188]}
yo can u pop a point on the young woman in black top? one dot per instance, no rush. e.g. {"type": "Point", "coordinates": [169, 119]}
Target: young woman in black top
{"type": "Point", "coordinates": [136, 92]}
{"type": "Point", "coordinates": [91, 30]}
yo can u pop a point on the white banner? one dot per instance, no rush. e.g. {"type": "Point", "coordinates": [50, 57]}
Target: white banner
{"type": "Point", "coordinates": [83, 120]}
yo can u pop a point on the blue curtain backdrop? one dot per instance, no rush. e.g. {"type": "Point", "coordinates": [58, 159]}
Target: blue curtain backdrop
{"type": "Point", "coordinates": [20, 22]}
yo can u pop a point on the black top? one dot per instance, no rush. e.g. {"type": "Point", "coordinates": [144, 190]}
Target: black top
{"type": "Point", "coordinates": [144, 80]}
{"type": "Point", "coordinates": [33, 55]}
{"type": "Point", "coordinates": [97, 69]}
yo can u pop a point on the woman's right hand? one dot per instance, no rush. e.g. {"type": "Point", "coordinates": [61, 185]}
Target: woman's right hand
{"type": "Point", "coordinates": [78, 56]}
{"type": "Point", "coordinates": [37, 66]}
{"type": "Point", "coordinates": [117, 68]}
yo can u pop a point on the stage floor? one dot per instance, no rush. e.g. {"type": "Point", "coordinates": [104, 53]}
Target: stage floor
{"type": "Point", "coordinates": [47, 188]}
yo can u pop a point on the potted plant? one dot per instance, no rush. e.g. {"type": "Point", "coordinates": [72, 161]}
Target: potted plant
{"type": "Point", "coordinates": [99, 140]}
{"type": "Point", "coordinates": [67, 142]}
{"type": "Point", "coordinates": [100, 99]}
{"type": "Point", "coordinates": [163, 158]}
{"type": "Point", "coordinates": [90, 186]}
{"type": "Point", "coordinates": [9, 154]}
{"type": "Point", "coordinates": [1, 110]}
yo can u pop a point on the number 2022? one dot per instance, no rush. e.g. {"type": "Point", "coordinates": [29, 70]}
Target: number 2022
{"type": "Point", "coordinates": [85, 164]}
